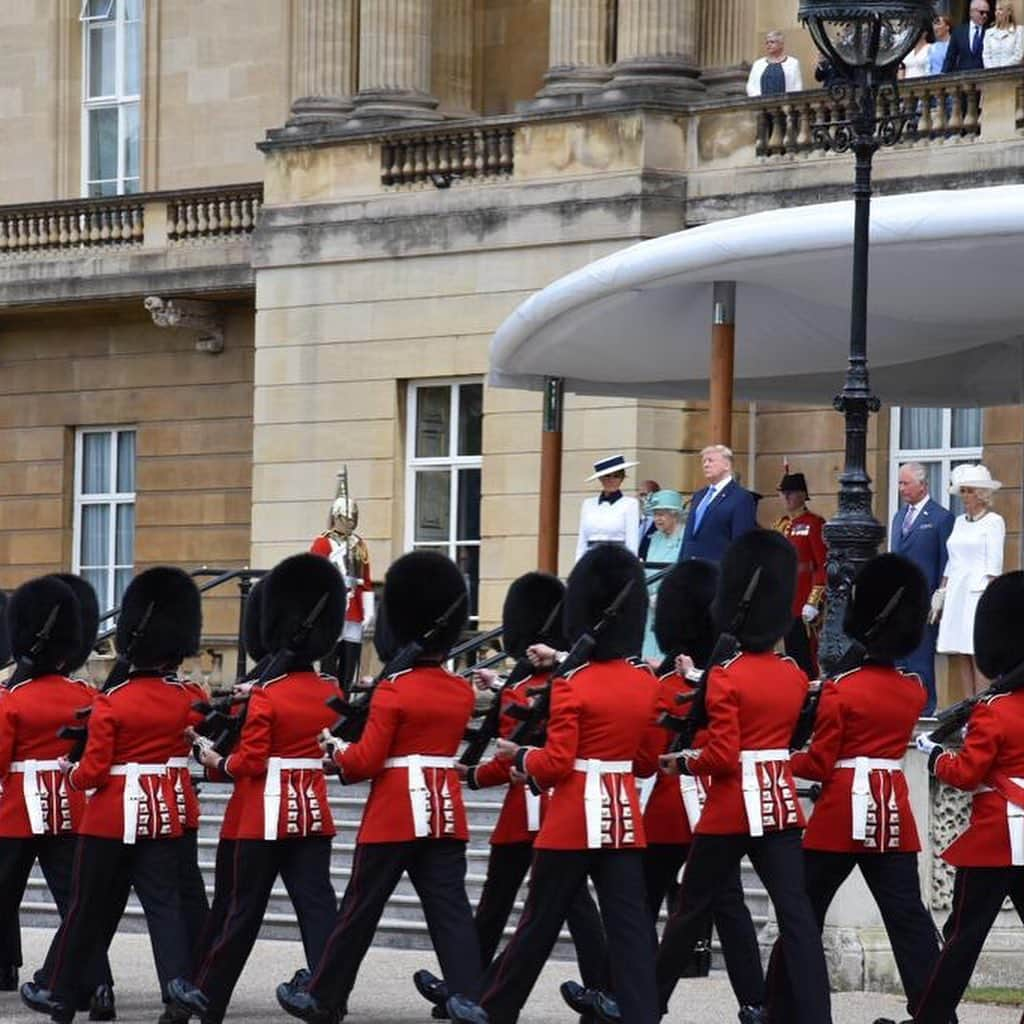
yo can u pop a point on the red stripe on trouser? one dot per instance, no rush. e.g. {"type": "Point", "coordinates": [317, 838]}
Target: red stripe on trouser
{"type": "Point", "coordinates": [354, 883]}
{"type": "Point", "coordinates": [221, 942]}
{"type": "Point", "coordinates": [58, 958]}
{"type": "Point", "coordinates": [957, 918]}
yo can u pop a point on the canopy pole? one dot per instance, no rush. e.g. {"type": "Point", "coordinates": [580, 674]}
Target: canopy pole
{"type": "Point", "coordinates": [550, 476]}
{"type": "Point", "coordinates": [723, 350]}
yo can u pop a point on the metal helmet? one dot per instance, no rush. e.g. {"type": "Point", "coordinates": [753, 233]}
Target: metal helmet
{"type": "Point", "coordinates": [344, 511]}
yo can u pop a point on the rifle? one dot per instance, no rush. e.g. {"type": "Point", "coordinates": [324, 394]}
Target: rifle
{"type": "Point", "coordinates": [954, 718]}
{"type": "Point", "coordinates": [79, 734]}
{"type": "Point", "coordinates": [27, 663]}
{"type": "Point", "coordinates": [123, 666]}
{"type": "Point", "coordinates": [352, 716]}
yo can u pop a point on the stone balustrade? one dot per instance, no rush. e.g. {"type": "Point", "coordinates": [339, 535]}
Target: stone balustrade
{"type": "Point", "coordinates": [448, 156]}
{"type": "Point", "coordinates": [218, 213]}
{"type": "Point", "coordinates": [75, 224]}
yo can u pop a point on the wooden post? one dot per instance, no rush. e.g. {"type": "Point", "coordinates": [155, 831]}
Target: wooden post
{"type": "Point", "coordinates": [550, 477]}
{"type": "Point", "coordinates": [723, 346]}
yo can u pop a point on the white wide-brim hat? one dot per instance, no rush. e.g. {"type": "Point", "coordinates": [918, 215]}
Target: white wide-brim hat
{"type": "Point", "coordinates": [972, 476]}
{"type": "Point", "coordinates": [611, 464]}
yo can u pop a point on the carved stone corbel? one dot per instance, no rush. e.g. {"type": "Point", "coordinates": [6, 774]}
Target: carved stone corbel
{"type": "Point", "coordinates": [193, 315]}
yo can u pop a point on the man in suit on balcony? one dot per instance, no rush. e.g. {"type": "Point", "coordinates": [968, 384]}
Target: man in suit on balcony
{"type": "Point", "coordinates": [967, 40]}
{"type": "Point", "coordinates": [721, 511]}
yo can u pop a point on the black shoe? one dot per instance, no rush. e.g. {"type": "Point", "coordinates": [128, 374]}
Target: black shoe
{"type": "Point", "coordinates": [183, 995]}
{"type": "Point", "coordinates": [431, 987]}
{"type": "Point", "coordinates": [9, 978]}
{"type": "Point", "coordinates": [41, 1000]}
{"type": "Point", "coordinates": [174, 1014]}
{"type": "Point", "coordinates": [753, 1015]}
{"type": "Point", "coordinates": [295, 1000]}
{"type": "Point", "coordinates": [101, 1004]}
{"type": "Point", "coordinates": [465, 1011]}
{"type": "Point", "coordinates": [605, 1008]}
{"type": "Point", "coordinates": [439, 1013]}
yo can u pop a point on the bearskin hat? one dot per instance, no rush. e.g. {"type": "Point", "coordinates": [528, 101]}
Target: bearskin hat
{"type": "Point", "coordinates": [5, 643]}
{"type": "Point", "coordinates": [175, 622]}
{"type": "Point", "coordinates": [290, 593]}
{"type": "Point", "coordinates": [682, 612]}
{"type": "Point", "coordinates": [418, 589]}
{"type": "Point", "coordinates": [89, 608]}
{"type": "Point", "coordinates": [252, 623]}
{"type": "Point", "coordinates": [873, 589]}
{"type": "Point", "coordinates": [384, 642]}
{"type": "Point", "coordinates": [770, 612]}
{"type": "Point", "coordinates": [529, 604]}
{"type": "Point", "coordinates": [998, 637]}
{"type": "Point", "coordinates": [595, 582]}
{"type": "Point", "coordinates": [28, 611]}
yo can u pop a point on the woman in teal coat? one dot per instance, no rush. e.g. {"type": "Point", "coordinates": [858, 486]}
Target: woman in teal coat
{"type": "Point", "coordinates": [666, 542]}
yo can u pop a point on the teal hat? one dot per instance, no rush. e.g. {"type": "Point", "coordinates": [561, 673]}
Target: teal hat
{"type": "Point", "coordinates": [667, 501]}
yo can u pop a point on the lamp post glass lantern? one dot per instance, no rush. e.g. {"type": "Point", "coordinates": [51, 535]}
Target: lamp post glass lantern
{"type": "Point", "coordinates": [866, 43]}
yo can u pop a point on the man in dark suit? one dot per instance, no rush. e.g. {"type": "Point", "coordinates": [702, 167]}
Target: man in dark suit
{"type": "Point", "coordinates": [919, 532]}
{"type": "Point", "coordinates": [719, 512]}
{"type": "Point", "coordinates": [967, 40]}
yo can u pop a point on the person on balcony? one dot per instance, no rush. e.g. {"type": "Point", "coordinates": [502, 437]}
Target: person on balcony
{"type": "Point", "coordinates": [719, 512]}
{"type": "Point", "coordinates": [610, 517]}
{"type": "Point", "coordinates": [776, 73]}
{"type": "Point", "coordinates": [1003, 45]}
{"type": "Point", "coordinates": [917, 63]}
{"type": "Point", "coordinates": [966, 44]}
{"type": "Point", "coordinates": [942, 28]}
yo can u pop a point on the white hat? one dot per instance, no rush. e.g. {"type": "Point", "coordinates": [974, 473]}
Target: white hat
{"type": "Point", "coordinates": [972, 476]}
{"type": "Point", "coordinates": [611, 464]}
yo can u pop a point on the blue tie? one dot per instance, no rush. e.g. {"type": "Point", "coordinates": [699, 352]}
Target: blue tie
{"type": "Point", "coordinates": [976, 45]}
{"type": "Point", "coordinates": [698, 515]}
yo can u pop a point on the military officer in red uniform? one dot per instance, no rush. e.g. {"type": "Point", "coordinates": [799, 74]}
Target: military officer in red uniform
{"type": "Point", "coordinates": [278, 815]}
{"type": "Point", "coordinates": [131, 820]}
{"type": "Point", "coordinates": [804, 531]}
{"type": "Point", "coordinates": [414, 820]}
{"type": "Point", "coordinates": [753, 701]}
{"type": "Point", "coordinates": [863, 818]}
{"type": "Point", "coordinates": [989, 855]}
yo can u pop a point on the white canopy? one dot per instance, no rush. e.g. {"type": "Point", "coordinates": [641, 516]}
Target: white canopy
{"type": "Point", "coordinates": [946, 307]}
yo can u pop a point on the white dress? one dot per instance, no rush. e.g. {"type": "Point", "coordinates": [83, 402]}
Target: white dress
{"type": "Point", "coordinates": [915, 64]}
{"type": "Point", "coordinates": [603, 522]}
{"type": "Point", "coordinates": [975, 553]}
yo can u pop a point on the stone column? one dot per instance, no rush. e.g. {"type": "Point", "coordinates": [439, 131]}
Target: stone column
{"type": "Point", "coordinates": [657, 50]}
{"type": "Point", "coordinates": [579, 51]}
{"type": "Point", "coordinates": [323, 60]}
{"type": "Point", "coordinates": [726, 39]}
{"type": "Point", "coordinates": [452, 72]}
{"type": "Point", "coordinates": [394, 63]}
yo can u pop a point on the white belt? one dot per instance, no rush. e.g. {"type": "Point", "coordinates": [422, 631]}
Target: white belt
{"type": "Point", "coordinates": [689, 788]}
{"type": "Point", "coordinates": [644, 791]}
{"type": "Point", "coordinates": [749, 760]}
{"type": "Point", "coordinates": [272, 788]}
{"type": "Point", "coordinates": [177, 762]}
{"type": "Point", "coordinates": [532, 810]}
{"type": "Point", "coordinates": [860, 795]}
{"type": "Point", "coordinates": [419, 796]}
{"type": "Point", "coordinates": [592, 793]}
{"type": "Point", "coordinates": [133, 793]}
{"type": "Point", "coordinates": [1014, 824]}
{"type": "Point", "coordinates": [30, 787]}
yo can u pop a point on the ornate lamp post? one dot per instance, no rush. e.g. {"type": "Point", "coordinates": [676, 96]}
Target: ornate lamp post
{"type": "Point", "coordinates": [866, 43]}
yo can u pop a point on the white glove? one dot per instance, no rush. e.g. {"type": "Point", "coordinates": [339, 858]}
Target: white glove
{"type": "Point", "coordinates": [808, 613]}
{"type": "Point", "coordinates": [924, 744]}
{"type": "Point", "coordinates": [330, 744]}
{"type": "Point", "coordinates": [369, 608]}
{"type": "Point", "coordinates": [938, 600]}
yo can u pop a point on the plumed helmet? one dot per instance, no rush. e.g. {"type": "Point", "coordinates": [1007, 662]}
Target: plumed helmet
{"type": "Point", "coordinates": [291, 592]}
{"type": "Point", "coordinates": [5, 643]}
{"type": "Point", "coordinates": [48, 645]}
{"type": "Point", "coordinates": [682, 613]}
{"type": "Point", "coordinates": [252, 623]}
{"type": "Point", "coordinates": [876, 584]}
{"type": "Point", "coordinates": [770, 610]}
{"type": "Point", "coordinates": [89, 609]}
{"type": "Point", "coordinates": [418, 589]}
{"type": "Point", "coordinates": [529, 605]}
{"type": "Point", "coordinates": [595, 582]}
{"type": "Point", "coordinates": [998, 636]}
{"type": "Point", "coordinates": [161, 619]}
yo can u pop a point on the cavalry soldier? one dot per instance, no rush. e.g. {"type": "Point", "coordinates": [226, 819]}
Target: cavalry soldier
{"type": "Point", "coordinates": [131, 820]}
{"type": "Point", "coordinates": [594, 826]}
{"type": "Point", "coordinates": [863, 818]}
{"type": "Point", "coordinates": [804, 531]}
{"type": "Point", "coordinates": [414, 820]}
{"type": "Point", "coordinates": [278, 815]}
{"type": "Point", "coordinates": [753, 701]}
{"type": "Point", "coordinates": [989, 856]}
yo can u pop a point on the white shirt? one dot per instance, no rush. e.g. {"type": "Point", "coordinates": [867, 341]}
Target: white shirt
{"type": "Point", "coordinates": [915, 64]}
{"type": "Point", "coordinates": [1002, 47]}
{"type": "Point", "coordinates": [790, 68]}
{"type": "Point", "coordinates": [603, 522]}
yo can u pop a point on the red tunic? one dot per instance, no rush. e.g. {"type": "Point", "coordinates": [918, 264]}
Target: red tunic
{"type": "Point", "coordinates": [283, 721]}
{"type": "Point", "coordinates": [870, 712]}
{"type": "Point", "coordinates": [30, 715]}
{"type": "Point", "coordinates": [753, 703]}
{"type": "Point", "coordinates": [421, 712]}
{"type": "Point", "coordinates": [994, 743]}
{"type": "Point", "coordinates": [805, 534]}
{"type": "Point", "coordinates": [326, 546]}
{"type": "Point", "coordinates": [601, 711]}
{"type": "Point", "coordinates": [139, 722]}
{"type": "Point", "coordinates": [181, 778]}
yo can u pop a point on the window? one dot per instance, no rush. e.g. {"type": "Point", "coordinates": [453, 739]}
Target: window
{"type": "Point", "coordinates": [104, 532]}
{"type": "Point", "coordinates": [939, 439]}
{"type": "Point", "coordinates": [443, 447]}
{"type": "Point", "coordinates": [112, 59]}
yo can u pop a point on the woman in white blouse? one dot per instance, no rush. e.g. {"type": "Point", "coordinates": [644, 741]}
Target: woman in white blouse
{"type": "Point", "coordinates": [915, 64]}
{"type": "Point", "coordinates": [610, 517]}
{"type": "Point", "coordinates": [975, 550]}
{"type": "Point", "coordinates": [1003, 45]}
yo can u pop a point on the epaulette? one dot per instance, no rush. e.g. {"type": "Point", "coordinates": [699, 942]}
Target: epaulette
{"type": "Point", "coordinates": [847, 673]}
{"type": "Point", "coordinates": [992, 698]}
{"type": "Point", "coordinates": [113, 689]}
{"type": "Point", "coordinates": [910, 675]}
{"type": "Point", "coordinates": [175, 681]}
{"type": "Point", "coordinates": [786, 657]}
{"type": "Point", "coordinates": [572, 672]}
{"type": "Point", "coordinates": [729, 661]}
{"type": "Point", "coordinates": [639, 663]}
{"type": "Point", "coordinates": [397, 675]}
{"type": "Point", "coordinates": [276, 679]}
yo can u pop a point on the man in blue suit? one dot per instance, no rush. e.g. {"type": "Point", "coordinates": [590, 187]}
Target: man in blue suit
{"type": "Point", "coordinates": [967, 42]}
{"type": "Point", "coordinates": [919, 532]}
{"type": "Point", "coordinates": [719, 512]}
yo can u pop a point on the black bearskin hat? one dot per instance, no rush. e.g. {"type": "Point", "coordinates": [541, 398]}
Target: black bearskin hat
{"type": "Point", "coordinates": [28, 610]}
{"type": "Point", "coordinates": [873, 589]}
{"type": "Point", "coordinates": [682, 612]}
{"type": "Point", "coordinates": [89, 608]}
{"type": "Point", "coordinates": [172, 631]}
{"type": "Point", "coordinates": [594, 583]}
{"type": "Point", "coordinates": [529, 604]}
{"type": "Point", "coordinates": [998, 636]}
{"type": "Point", "coordinates": [290, 593]}
{"type": "Point", "coordinates": [384, 642]}
{"type": "Point", "coordinates": [252, 623]}
{"type": "Point", "coordinates": [5, 644]}
{"type": "Point", "coordinates": [771, 606]}
{"type": "Point", "coordinates": [419, 588]}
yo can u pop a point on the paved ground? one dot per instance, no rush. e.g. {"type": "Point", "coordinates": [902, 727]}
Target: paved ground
{"type": "Point", "coordinates": [385, 993]}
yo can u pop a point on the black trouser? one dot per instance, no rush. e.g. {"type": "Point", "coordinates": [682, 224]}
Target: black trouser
{"type": "Point", "coordinates": [10, 941]}
{"type": "Point", "coordinates": [778, 860]}
{"type": "Point", "coordinates": [192, 888]}
{"type": "Point", "coordinates": [223, 887]}
{"type": "Point", "coordinates": [893, 881]}
{"type": "Point", "coordinates": [798, 647]}
{"type": "Point", "coordinates": [305, 868]}
{"type": "Point", "coordinates": [978, 898]}
{"type": "Point", "coordinates": [555, 880]}
{"type": "Point", "coordinates": [729, 912]}
{"type": "Point", "coordinates": [506, 869]}
{"type": "Point", "coordinates": [104, 872]}
{"type": "Point", "coordinates": [437, 870]}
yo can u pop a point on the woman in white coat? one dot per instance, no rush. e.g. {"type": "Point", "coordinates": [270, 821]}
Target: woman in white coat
{"type": "Point", "coordinates": [610, 517]}
{"type": "Point", "coordinates": [975, 550]}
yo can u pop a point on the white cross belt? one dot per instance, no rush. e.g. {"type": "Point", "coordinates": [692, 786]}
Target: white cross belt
{"type": "Point", "coordinates": [419, 795]}
{"type": "Point", "coordinates": [133, 773]}
{"type": "Point", "coordinates": [749, 760]}
{"type": "Point", "coordinates": [860, 794]}
{"type": "Point", "coordinates": [272, 788]}
{"type": "Point", "coordinates": [592, 800]}
{"type": "Point", "coordinates": [30, 770]}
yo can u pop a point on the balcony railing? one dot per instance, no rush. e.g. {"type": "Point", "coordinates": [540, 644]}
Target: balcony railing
{"type": "Point", "coordinates": [444, 156]}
